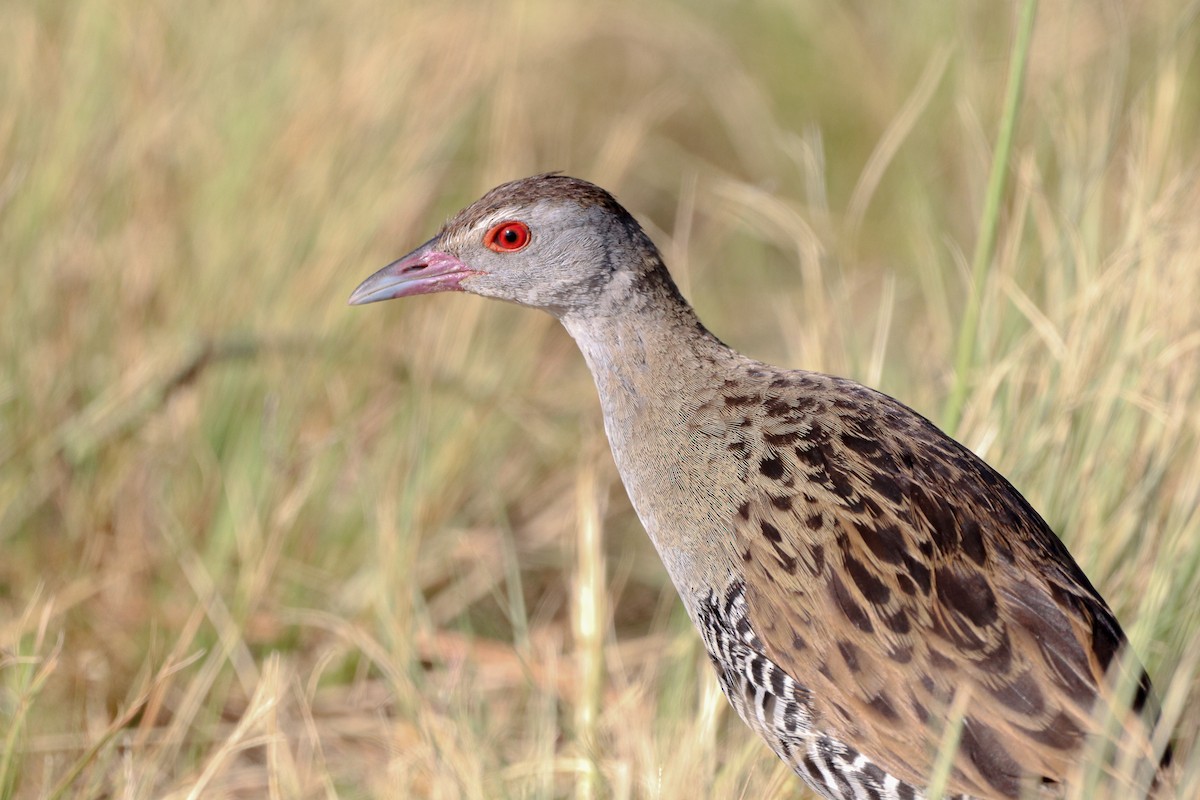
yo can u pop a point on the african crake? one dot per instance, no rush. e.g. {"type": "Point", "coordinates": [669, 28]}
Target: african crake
{"type": "Point", "coordinates": [853, 570]}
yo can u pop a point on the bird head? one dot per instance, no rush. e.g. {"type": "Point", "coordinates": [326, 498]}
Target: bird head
{"type": "Point", "coordinates": [549, 242]}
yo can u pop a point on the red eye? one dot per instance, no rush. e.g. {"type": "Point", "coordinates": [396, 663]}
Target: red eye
{"type": "Point", "coordinates": [507, 237]}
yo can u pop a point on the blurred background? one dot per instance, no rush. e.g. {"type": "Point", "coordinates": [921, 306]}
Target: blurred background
{"type": "Point", "coordinates": [256, 543]}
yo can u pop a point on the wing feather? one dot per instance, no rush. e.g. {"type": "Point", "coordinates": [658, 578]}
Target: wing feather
{"type": "Point", "coordinates": [924, 575]}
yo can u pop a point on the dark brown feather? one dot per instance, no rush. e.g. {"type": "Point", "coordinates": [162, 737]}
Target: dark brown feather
{"type": "Point", "coordinates": [927, 574]}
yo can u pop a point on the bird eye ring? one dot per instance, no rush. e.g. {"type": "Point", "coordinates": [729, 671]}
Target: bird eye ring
{"type": "Point", "coordinates": [507, 237]}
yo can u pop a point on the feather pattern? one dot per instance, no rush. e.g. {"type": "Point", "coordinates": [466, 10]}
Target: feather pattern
{"type": "Point", "coordinates": [886, 568]}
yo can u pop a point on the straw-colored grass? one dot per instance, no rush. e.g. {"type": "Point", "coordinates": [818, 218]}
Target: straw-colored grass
{"type": "Point", "coordinates": [255, 543]}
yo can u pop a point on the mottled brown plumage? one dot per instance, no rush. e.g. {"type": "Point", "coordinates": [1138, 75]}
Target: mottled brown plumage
{"type": "Point", "coordinates": [858, 576]}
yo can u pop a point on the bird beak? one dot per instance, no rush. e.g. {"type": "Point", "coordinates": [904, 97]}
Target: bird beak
{"type": "Point", "coordinates": [423, 271]}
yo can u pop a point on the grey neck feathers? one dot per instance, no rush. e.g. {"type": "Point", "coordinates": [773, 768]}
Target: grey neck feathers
{"type": "Point", "coordinates": [641, 338]}
{"type": "Point", "coordinates": [653, 363]}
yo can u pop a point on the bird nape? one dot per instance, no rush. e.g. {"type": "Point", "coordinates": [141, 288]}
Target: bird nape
{"type": "Point", "coordinates": [861, 580]}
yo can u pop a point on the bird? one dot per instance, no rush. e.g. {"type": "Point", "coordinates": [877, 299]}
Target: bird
{"type": "Point", "coordinates": [866, 587]}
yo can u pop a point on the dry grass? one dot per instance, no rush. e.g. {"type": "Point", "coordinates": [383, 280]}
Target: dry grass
{"type": "Point", "coordinates": [255, 543]}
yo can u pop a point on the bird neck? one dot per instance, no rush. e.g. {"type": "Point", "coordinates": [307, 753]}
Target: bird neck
{"type": "Point", "coordinates": [653, 362]}
{"type": "Point", "coordinates": [643, 344]}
